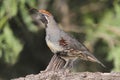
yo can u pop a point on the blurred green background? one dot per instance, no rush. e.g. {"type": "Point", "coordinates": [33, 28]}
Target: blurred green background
{"type": "Point", "coordinates": [23, 50]}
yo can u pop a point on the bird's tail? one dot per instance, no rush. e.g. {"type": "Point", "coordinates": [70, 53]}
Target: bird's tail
{"type": "Point", "coordinates": [86, 55]}
{"type": "Point", "coordinates": [101, 64]}
{"type": "Point", "coordinates": [90, 57]}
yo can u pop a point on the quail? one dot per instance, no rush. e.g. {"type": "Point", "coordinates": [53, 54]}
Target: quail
{"type": "Point", "coordinates": [61, 43]}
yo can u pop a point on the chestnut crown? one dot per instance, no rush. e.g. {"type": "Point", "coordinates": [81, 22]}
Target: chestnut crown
{"type": "Point", "coordinates": [42, 15]}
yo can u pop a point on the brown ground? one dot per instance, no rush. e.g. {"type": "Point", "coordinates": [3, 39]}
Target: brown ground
{"type": "Point", "coordinates": [64, 75]}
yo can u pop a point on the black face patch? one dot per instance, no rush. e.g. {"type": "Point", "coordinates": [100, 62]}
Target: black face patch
{"type": "Point", "coordinates": [43, 19]}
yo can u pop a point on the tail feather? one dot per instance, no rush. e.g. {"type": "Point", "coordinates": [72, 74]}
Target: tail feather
{"type": "Point", "coordinates": [94, 59]}
{"type": "Point", "coordinates": [101, 64]}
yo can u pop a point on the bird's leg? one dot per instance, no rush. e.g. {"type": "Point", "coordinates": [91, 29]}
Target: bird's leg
{"type": "Point", "coordinates": [69, 64]}
{"type": "Point", "coordinates": [56, 63]}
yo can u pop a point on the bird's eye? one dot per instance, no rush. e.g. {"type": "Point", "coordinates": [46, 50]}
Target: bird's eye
{"type": "Point", "coordinates": [44, 18]}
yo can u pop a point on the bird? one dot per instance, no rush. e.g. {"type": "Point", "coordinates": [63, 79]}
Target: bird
{"type": "Point", "coordinates": [61, 43]}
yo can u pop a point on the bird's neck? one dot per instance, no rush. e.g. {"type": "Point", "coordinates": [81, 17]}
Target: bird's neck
{"type": "Point", "coordinates": [52, 27]}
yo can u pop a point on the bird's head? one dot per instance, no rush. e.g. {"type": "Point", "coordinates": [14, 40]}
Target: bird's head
{"type": "Point", "coordinates": [43, 15]}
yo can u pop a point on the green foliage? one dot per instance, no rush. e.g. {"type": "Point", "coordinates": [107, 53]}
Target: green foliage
{"type": "Point", "coordinates": [111, 23]}
{"type": "Point", "coordinates": [27, 20]}
{"type": "Point", "coordinates": [10, 46]}
{"type": "Point", "coordinates": [115, 55]}
{"type": "Point", "coordinates": [108, 29]}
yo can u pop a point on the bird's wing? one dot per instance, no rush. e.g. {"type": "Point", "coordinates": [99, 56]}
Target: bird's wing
{"type": "Point", "coordinates": [69, 41]}
{"type": "Point", "coordinates": [74, 48]}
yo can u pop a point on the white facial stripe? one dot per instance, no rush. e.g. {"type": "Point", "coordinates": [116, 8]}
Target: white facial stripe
{"type": "Point", "coordinates": [47, 18]}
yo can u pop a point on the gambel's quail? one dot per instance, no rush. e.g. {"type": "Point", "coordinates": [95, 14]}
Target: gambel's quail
{"type": "Point", "coordinates": [59, 42]}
